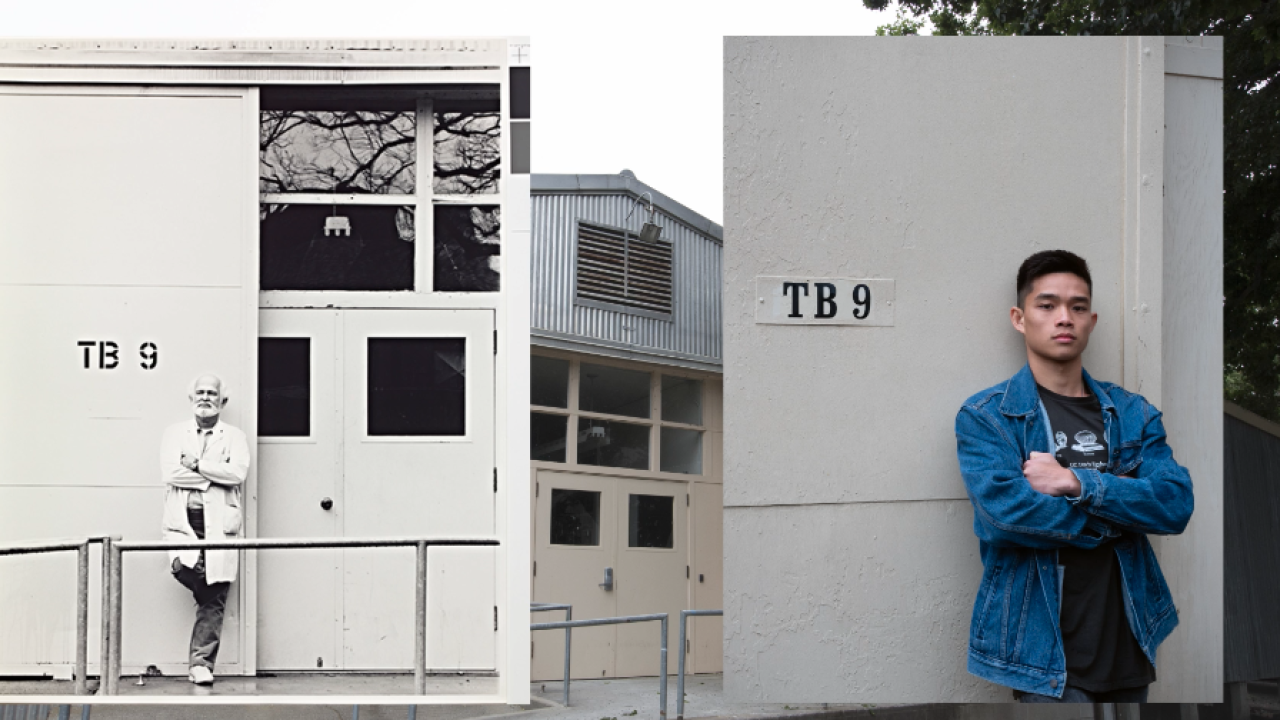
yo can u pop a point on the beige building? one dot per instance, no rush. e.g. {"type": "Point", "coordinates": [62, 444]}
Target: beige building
{"type": "Point", "coordinates": [626, 395]}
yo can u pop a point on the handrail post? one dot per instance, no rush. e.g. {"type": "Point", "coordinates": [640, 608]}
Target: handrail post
{"type": "Point", "coordinates": [684, 621]}
{"type": "Point", "coordinates": [662, 668]}
{"type": "Point", "coordinates": [420, 625]}
{"type": "Point", "coordinates": [105, 651]}
{"type": "Point", "coordinates": [112, 681]}
{"type": "Point", "coordinates": [684, 616]}
{"type": "Point", "coordinates": [82, 619]}
{"type": "Point", "coordinates": [568, 647]}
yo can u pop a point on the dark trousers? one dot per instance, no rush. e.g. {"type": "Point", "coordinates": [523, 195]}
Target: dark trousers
{"type": "Point", "coordinates": [211, 601]}
{"type": "Point", "coordinates": [1076, 695]}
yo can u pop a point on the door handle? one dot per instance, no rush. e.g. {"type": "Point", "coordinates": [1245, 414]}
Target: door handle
{"type": "Point", "coordinates": [608, 579]}
{"type": "Point", "coordinates": [326, 504]}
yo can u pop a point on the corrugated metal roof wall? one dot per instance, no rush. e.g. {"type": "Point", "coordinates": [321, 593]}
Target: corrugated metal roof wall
{"type": "Point", "coordinates": [694, 331]}
{"type": "Point", "coordinates": [1251, 553]}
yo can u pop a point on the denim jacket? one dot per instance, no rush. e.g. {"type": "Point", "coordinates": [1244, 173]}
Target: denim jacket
{"type": "Point", "coordinates": [1015, 638]}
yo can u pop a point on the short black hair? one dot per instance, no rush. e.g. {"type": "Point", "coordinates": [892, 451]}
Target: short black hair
{"type": "Point", "coordinates": [1047, 262]}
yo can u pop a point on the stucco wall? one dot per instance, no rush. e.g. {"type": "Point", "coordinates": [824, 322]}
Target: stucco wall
{"type": "Point", "coordinates": [941, 164]}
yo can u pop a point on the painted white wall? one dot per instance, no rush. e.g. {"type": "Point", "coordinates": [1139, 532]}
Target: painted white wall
{"type": "Point", "coordinates": [125, 221]}
{"type": "Point", "coordinates": [1192, 359]}
{"type": "Point", "coordinates": [851, 565]}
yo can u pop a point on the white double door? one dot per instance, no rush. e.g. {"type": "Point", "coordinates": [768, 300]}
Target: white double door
{"type": "Point", "coordinates": [634, 532]}
{"type": "Point", "coordinates": [383, 425]}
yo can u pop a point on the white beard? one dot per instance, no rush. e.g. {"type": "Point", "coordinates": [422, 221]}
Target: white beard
{"type": "Point", "coordinates": [205, 411]}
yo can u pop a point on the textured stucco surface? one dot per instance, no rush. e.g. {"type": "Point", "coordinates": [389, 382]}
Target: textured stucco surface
{"type": "Point", "coordinates": [939, 165]}
{"type": "Point", "coordinates": [851, 564]}
{"type": "Point", "coordinates": [863, 600]}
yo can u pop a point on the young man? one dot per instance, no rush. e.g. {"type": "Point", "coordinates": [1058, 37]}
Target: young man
{"type": "Point", "coordinates": [203, 464]}
{"type": "Point", "coordinates": [1067, 476]}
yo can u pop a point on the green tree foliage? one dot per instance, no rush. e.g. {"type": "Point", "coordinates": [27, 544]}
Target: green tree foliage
{"type": "Point", "coordinates": [903, 25]}
{"type": "Point", "coordinates": [1251, 149]}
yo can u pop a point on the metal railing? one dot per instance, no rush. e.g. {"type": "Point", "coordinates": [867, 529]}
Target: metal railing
{"type": "Point", "coordinates": [116, 582]}
{"type": "Point", "coordinates": [684, 621]}
{"type": "Point", "coordinates": [81, 546]}
{"type": "Point", "coordinates": [662, 657]}
{"type": "Point", "coordinates": [568, 636]}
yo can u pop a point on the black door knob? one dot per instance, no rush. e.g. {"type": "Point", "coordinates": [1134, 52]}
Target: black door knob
{"type": "Point", "coordinates": [326, 503]}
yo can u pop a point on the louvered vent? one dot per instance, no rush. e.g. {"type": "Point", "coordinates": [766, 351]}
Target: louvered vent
{"type": "Point", "coordinates": [615, 267]}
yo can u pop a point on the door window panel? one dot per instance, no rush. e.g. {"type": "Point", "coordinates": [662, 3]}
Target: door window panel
{"type": "Point", "coordinates": [681, 451]}
{"type": "Point", "coordinates": [614, 391]}
{"type": "Point", "coordinates": [339, 152]}
{"type": "Point", "coordinates": [575, 517]}
{"type": "Point", "coordinates": [549, 437]}
{"type": "Point", "coordinates": [417, 386]}
{"type": "Point", "coordinates": [651, 521]}
{"type": "Point", "coordinates": [343, 247]}
{"type": "Point", "coordinates": [549, 381]}
{"type": "Point", "coordinates": [681, 400]}
{"type": "Point", "coordinates": [284, 387]}
{"type": "Point", "coordinates": [613, 444]}
{"type": "Point", "coordinates": [467, 248]}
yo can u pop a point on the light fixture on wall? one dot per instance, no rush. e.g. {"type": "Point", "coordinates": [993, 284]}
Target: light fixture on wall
{"type": "Point", "coordinates": [337, 224]}
{"type": "Point", "coordinates": [650, 231]}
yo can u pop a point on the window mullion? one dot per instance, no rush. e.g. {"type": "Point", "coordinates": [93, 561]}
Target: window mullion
{"type": "Point", "coordinates": [571, 434]}
{"type": "Point", "coordinates": [424, 210]}
{"type": "Point", "coordinates": [655, 416]}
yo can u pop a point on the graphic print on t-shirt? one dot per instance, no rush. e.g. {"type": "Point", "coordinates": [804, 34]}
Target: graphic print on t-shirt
{"type": "Point", "coordinates": [1079, 438]}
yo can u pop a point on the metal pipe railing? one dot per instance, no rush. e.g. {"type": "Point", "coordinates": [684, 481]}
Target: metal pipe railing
{"type": "Point", "coordinates": [81, 546]}
{"type": "Point", "coordinates": [118, 548]}
{"type": "Point", "coordinates": [662, 656]}
{"type": "Point", "coordinates": [684, 621]}
{"type": "Point", "coordinates": [568, 637]}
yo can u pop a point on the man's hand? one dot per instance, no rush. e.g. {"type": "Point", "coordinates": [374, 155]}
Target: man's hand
{"type": "Point", "coordinates": [190, 462]}
{"type": "Point", "coordinates": [1048, 477]}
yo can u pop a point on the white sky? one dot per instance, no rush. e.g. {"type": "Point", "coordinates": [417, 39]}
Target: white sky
{"type": "Point", "coordinates": [615, 84]}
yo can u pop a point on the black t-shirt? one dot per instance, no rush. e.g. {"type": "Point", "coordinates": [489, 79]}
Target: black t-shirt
{"type": "Point", "coordinates": [1102, 654]}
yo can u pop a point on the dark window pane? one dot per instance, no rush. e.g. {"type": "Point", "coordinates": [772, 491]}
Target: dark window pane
{"type": "Point", "coordinates": [681, 450]}
{"type": "Point", "coordinates": [612, 390]}
{"type": "Point", "coordinates": [467, 153]}
{"type": "Point", "coordinates": [548, 438]}
{"type": "Point", "coordinates": [467, 248]}
{"type": "Point", "coordinates": [346, 152]}
{"type": "Point", "coordinates": [284, 387]}
{"type": "Point", "coordinates": [376, 253]}
{"type": "Point", "coordinates": [651, 521]}
{"type": "Point", "coordinates": [681, 400]}
{"type": "Point", "coordinates": [575, 517]}
{"type": "Point", "coordinates": [613, 444]}
{"type": "Point", "coordinates": [549, 381]}
{"type": "Point", "coordinates": [417, 386]}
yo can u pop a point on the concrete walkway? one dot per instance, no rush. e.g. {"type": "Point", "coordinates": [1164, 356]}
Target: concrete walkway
{"type": "Point", "coordinates": [616, 699]}
{"type": "Point", "coordinates": [638, 698]}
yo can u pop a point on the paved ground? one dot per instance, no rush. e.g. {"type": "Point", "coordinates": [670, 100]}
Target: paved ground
{"type": "Point", "coordinates": [589, 700]}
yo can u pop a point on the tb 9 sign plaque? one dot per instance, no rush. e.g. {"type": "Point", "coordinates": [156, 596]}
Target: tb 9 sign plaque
{"type": "Point", "coordinates": [824, 301]}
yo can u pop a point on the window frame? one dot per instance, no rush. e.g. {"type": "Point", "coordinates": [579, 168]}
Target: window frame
{"type": "Point", "coordinates": [423, 197]}
{"type": "Point", "coordinates": [654, 422]}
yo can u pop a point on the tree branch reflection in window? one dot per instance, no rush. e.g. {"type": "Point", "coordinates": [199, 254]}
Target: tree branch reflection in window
{"type": "Point", "coordinates": [467, 248]}
{"type": "Point", "coordinates": [466, 153]}
{"type": "Point", "coordinates": [345, 152]}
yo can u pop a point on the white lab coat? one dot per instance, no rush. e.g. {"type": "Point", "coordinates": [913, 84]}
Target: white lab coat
{"type": "Point", "coordinates": [224, 465]}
